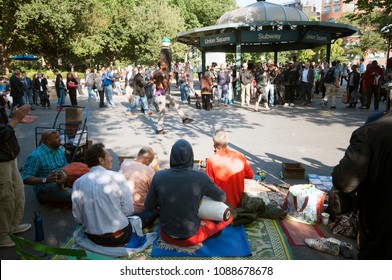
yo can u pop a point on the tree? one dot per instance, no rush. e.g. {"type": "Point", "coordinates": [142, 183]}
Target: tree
{"type": "Point", "coordinates": [366, 6]}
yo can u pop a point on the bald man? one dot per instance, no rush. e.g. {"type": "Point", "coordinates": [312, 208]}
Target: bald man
{"type": "Point", "coordinates": [41, 167]}
{"type": "Point", "coordinates": [138, 174]}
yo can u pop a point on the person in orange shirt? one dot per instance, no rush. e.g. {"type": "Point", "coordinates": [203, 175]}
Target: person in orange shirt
{"type": "Point", "coordinates": [228, 169]}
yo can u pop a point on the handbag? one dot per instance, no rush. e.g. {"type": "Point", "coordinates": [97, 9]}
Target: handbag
{"type": "Point", "coordinates": [304, 204]}
{"type": "Point", "coordinates": [345, 97]}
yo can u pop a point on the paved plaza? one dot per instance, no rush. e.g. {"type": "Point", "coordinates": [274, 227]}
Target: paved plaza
{"type": "Point", "coordinates": [314, 137]}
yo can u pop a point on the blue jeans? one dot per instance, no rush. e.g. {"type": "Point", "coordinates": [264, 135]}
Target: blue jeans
{"type": "Point", "coordinates": [223, 93]}
{"type": "Point", "coordinates": [184, 90]}
{"type": "Point", "coordinates": [118, 87]}
{"type": "Point", "coordinates": [91, 93]}
{"type": "Point", "coordinates": [52, 192]}
{"type": "Point", "coordinates": [271, 90]}
{"type": "Point", "coordinates": [109, 96]}
{"type": "Point", "coordinates": [29, 98]}
{"type": "Point", "coordinates": [61, 99]}
{"type": "Point", "coordinates": [139, 100]}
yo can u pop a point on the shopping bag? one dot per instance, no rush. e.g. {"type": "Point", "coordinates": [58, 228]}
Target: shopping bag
{"type": "Point", "coordinates": [304, 204]}
{"type": "Point", "coordinates": [345, 97]}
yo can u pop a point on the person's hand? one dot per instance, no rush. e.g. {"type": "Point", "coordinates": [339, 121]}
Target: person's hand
{"type": "Point", "coordinates": [52, 177]}
{"type": "Point", "coordinates": [19, 113]}
{"type": "Point", "coordinates": [29, 119]}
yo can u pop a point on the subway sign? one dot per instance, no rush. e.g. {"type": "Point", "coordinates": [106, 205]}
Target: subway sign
{"type": "Point", "coordinates": [317, 37]}
{"type": "Point", "coordinates": [267, 36]}
{"type": "Point", "coordinates": [219, 39]}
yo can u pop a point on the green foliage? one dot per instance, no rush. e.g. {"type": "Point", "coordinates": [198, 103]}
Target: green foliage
{"type": "Point", "coordinates": [365, 6]}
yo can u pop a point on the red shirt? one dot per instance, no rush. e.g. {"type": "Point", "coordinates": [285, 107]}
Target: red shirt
{"type": "Point", "coordinates": [228, 169]}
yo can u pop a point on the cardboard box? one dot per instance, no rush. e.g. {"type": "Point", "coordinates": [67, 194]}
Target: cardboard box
{"type": "Point", "coordinates": [293, 170]}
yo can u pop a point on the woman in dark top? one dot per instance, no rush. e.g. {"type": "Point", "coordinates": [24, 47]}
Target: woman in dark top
{"type": "Point", "coordinates": [72, 86]}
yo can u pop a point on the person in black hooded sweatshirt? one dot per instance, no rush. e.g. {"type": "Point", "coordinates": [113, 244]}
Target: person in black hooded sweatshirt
{"type": "Point", "coordinates": [177, 193]}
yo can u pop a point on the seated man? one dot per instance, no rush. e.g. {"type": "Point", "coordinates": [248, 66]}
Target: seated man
{"type": "Point", "coordinates": [228, 169]}
{"type": "Point", "coordinates": [102, 200]}
{"type": "Point", "coordinates": [139, 174]}
{"type": "Point", "coordinates": [41, 166]}
{"type": "Point", "coordinates": [177, 193]}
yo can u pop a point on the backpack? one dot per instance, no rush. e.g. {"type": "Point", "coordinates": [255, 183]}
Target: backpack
{"type": "Point", "coordinates": [330, 76]}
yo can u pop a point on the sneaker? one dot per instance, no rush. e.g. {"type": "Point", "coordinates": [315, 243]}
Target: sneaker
{"type": "Point", "coordinates": [346, 249]}
{"type": "Point", "coordinates": [7, 243]}
{"type": "Point", "coordinates": [58, 108]}
{"type": "Point", "coordinates": [150, 113]}
{"type": "Point", "coordinates": [333, 107]}
{"type": "Point", "coordinates": [292, 105]}
{"type": "Point", "coordinates": [160, 131]}
{"type": "Point", "coordinates": [187, 120]}
{"type": "Point", "coordinates": [323, 245]}
{"type": "Point", "coordinates": [128, 113]}
{"type": "Point", "coordinates": [22, 228]}
{"type": "Point", "coordinates": [286, 105]}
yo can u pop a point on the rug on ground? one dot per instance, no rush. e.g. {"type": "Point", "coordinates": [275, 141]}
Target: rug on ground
{"type": "Point", "coordinates": [265, 237]}
{"type": "Point", "coordinates": [296, 232]}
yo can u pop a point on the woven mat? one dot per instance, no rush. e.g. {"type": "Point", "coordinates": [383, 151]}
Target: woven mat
{"type": "Point", "coordinates": [296, 232]}
{"type": "Point", "coordinates": [266, 240]}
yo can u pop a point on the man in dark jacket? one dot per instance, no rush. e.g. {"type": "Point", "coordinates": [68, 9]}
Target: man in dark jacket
{"type": "Point", "coordinates": [246, 78]}
{"type": "Point", "coordinates": [366, 168]}
{"type": "Point", "coordinates": [139, 94]}
{"type": "Point", "coordinates": [16, 93]}
{"type": "Point", "coordinates": [12, 197]}
{"type": "Point", "coordinates": [177, 193]}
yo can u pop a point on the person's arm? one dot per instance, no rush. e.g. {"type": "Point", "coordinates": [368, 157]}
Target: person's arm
{"type": "Point", "coordinates": [212, 190]}
{"type": "Point", "coordinates": [352, 168]}
{"type": "Point", "coordinates": [248, 171]}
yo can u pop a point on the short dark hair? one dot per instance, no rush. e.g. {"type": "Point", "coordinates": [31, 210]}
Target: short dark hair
{"type": "Point", "coordinates": [93, 154]}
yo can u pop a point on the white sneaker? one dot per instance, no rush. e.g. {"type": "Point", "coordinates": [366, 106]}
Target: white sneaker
{"type": "Point", "coordinates": [323, 245]}
{"type": "Point", "coordinates": [286, 105]}
{"type": "Point", "coordinates": [22, 228]}
{"type": "Point", "coordinates": [292, 105]}
{"type": "Point", "coordinates": [7, 243]}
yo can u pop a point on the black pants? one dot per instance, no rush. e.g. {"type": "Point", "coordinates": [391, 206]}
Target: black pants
{"type": "Point", "coordinates": [101, 98]}
{"type": "Point", "coordinates": [44, 98]}
{"type": "Point", "coordinates": [206, 101]}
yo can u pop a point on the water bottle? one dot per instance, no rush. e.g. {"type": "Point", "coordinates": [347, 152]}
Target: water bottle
{"type": "Point", "coordinates": [39, 228]}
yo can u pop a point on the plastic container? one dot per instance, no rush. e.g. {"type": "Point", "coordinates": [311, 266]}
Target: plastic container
{"type": "Point", "coordinates": [39, 227]}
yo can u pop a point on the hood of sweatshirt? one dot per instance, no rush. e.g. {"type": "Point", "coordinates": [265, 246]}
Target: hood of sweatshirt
{"type": "Point", "coordinates": [181, 155]}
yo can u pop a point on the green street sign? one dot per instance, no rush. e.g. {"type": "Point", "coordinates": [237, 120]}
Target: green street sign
{"type": "Point", "coordinates": [267, 36]}
{"type": "Point", "coordinates": [317, 37]}
{"type": "Point", "coordinates": [219, 39]}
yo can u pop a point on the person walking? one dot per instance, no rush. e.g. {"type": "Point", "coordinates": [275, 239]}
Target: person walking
{"type": "Point", "coordinates": [72, 86]}
{"type": "Point", "coordinates": [162, 79]}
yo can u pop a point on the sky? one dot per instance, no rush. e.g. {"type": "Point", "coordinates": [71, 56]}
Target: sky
{"type": "Point", "coordinates": [243, 3]}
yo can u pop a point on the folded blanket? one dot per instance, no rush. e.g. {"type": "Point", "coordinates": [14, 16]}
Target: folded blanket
{"type": "Point", "coordinates": [180, 249]}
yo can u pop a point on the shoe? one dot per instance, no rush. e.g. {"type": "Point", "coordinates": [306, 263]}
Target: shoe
{"type": "Point", "coordinates": [323, 245]}
{"type": "Point", "coordinates": [150, 113]}
{"type": "Point", "coordinates": [22, 228]}
{"type": "Point", "coordinates": [187, 120]}
{"type": "Point", "coordinates": [292, 105]}
{"type": "Point", "coordinates": [7, 243]}
{"type": "Point", "coordinates": [349, 106]}
{"type": "Point", "coordinates": [346, 249]}
{"type": "Point", "coordinates": [364, 108]}
{"type": "Point", "coordinates": [58, 108]}
{"type": "Point", "coordinates": [160, 131]}
{"type": "Point", "coordinates": [128, 113]}
{"type": "Point", "coordinates": [333, 107]}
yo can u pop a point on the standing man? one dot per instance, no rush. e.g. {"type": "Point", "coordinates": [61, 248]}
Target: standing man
{"type": "Point", "coordinates": [139, 94]}
{"type": "Point", "coordinates": [28, 90]}
{"type": "Point", "coordinates": [162, 79]}
{"type": "Point", "coordinates": [41, 87]}
{"type": "Point", "coordinates": [245, 79]}
{"type": "Point", "coordinates": [366, 168]}
{"type": "Point", "coordinates": [223, 80]}
{"type": "Point", "coordinates": [12, 195]}
{"type": "Point", "coordinates": [307, 75]}
{"type": "Point", "coordinates": [107, 82]}
{"type": "Point", "coordinates": [228, 169]}
{"type": "Point", "coordinates": [291, 76]}
{"type": "Point", "coordinates": [353, 86]}
{"type": "Point", "coordinates": [16, 93]}
{"type": "Point", "coordinates": [138, 174]}
{"type": "Point", "coordinates": [332, 84]}
{"type": "Point", "coordinates": [373, 77]}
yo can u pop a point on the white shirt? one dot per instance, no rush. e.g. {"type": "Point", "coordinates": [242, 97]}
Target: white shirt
{"type": "Point", "coordinates": [305, 75]}
{"type": "Point", "coordinates": [101, 200]}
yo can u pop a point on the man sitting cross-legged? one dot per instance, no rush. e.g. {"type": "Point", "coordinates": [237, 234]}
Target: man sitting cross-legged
{"type": "Point", "coordinates": [102, 200]}
{"type": "Point", "coordinates": [177, 193]}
